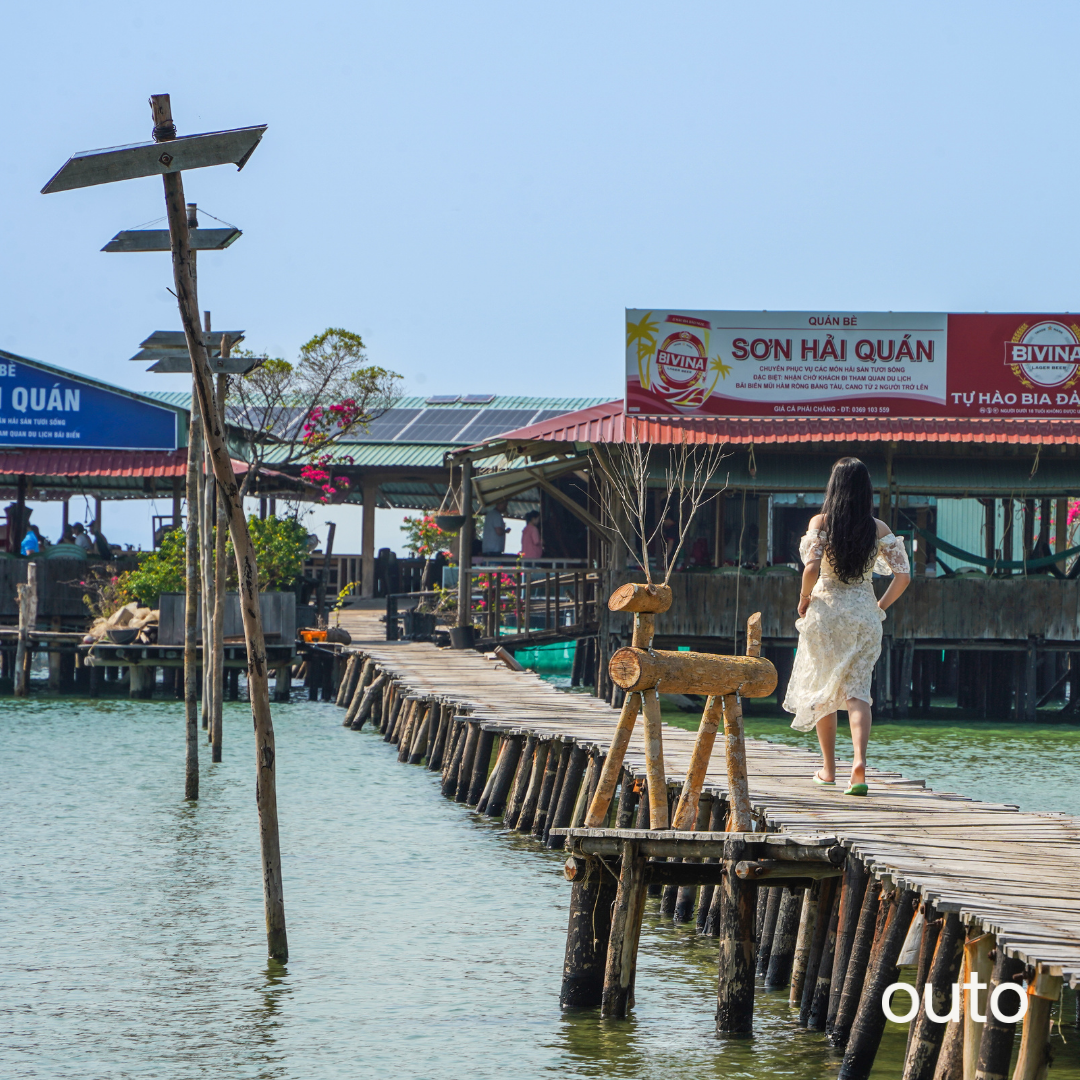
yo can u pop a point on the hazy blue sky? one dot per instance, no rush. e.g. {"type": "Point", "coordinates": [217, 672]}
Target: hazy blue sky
{"type": "Point", "coordinates": [481, 188]}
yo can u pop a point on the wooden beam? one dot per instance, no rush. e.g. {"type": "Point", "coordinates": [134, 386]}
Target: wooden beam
{"type": "Point", "coordinates": [575, 508]}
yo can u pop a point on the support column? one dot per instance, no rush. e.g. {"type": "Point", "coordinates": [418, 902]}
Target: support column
{"type": "Point", "coordinates": [465, 543]}
{"type": "Point", "coordinates": [367, 546]}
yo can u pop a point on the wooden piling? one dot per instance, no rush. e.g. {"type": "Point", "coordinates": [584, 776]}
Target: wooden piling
{"type": "Point", "coordinates": [858, 962]}
{"type": "Point", "coordinates": [551, 771]}
{"type": "Point", "coordinates": [588, 934]}
{"type": "Point", "coordinates": [485, 742]}
{"type": "Point", "coordinates": [346, 686]}
{"type": "Point", "coordinates": [869, 1023]}
{"type": "Point", "coordinates": [28, 603]}
{"type": "Point", "coordinates": [716, 824]}
{"type": "Point", "coordinates": [374, 688]}
{"type": "Point", "coordinates": [818, 941]}
{"type": "Point", "coordinates": [852, 893]}
{"type": "Point", "coordinates": [628, 798]}
{"type": "Point", "coordinates": [504, 774]}
{"type": "Point", "coordinates": [977, 960]}
{"type": "Point", "coordinates": [418, 747]}
{"type": "Point", "coordinates": [458, 733]}
{"type": "Point", "coordinates": [765, 933]}
{"type": "Point", "coordinates": [587, 789]}
{"type": "Point", "coordinates": [627, 911]}
{"type": "Point", "coordinates": [571, 782]}
{"type": "Point", "coordinates": [995, 1047]}
{"type": "Point", "coordinates": [927, 1034]}
{"type": "Point", "coordinates": [735, 983]}
{"type": "Point", "coordinates": [489, 781]}
{"type": "Point", "coordinates": [686, 899]}
{"type": "Point", "coordinates": [782, 955]}
{"type": "Point", "coordinates": [1044, 990]}
{"type": "Point", "coordinates": [819, 1002]}
{"type": "Point", "coordinates": [807, 920]}
{"type": "Point", "coordinates": [464, 775]}
{"type": "Point", "coordinates": [950, 1063]}
{"type": "Point", "coordinates": [406, 726]}
{"type": "Point", "coordinates": [525, 819]}
{"type": "Point", "coordinates": [516, 799]}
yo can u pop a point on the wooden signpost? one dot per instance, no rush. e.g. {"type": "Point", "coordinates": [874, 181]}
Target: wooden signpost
{"type": "Point", "coordinates": [167, 156]}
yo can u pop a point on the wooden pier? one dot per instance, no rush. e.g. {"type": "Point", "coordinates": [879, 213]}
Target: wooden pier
{"type": "Point", "coordinates": [839, 885]}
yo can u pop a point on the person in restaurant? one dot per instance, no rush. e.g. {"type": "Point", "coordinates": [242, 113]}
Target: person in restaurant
{"type": "Point", "coordinates": [532, 547]}
{"type": "Point", "coordinates": [31, 544]}
{"type": "Point", "coordinates": [101, 545]}
{"type": "Point", "coordinates": [495, 530]}
{"type": "Point", "coordinates": [840, 617]}
{"type": "Point", "coordinates": [82, 537]}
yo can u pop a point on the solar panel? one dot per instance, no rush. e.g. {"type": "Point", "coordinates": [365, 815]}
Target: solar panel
{"type": "Point", "coordinates": [495, 422]}
{"type": "Point", "coordinates": [439, 425]}
{"type": "Point", "coordinates": [443, 399]}
{"type": "Point", "coordinates": [477, 399]}
{"type": "Point", "coordinates": [387, 426]}
{"type": "Point", "coordinates": [547, 414]}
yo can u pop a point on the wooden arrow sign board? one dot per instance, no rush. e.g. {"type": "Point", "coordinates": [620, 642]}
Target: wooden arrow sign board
{"type": "Point", "coordinates": [158, 240]}
{"type": "Point", "coordinates": [175, 339]}
{"type": "Point", "coordinates": [156, 158]}
{"type": "Point", "coordinates": [179, 363]}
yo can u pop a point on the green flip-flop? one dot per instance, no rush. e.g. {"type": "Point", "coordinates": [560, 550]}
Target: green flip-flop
{"type": "Point", "coordinates": [857, 789]}
{"type": "Point", "coordinates": [823, 783]}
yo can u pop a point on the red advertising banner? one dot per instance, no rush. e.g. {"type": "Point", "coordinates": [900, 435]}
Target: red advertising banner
{"type": "Point", "coordinates": [822, 363]}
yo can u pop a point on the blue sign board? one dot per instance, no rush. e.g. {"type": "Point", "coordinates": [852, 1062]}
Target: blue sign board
{"type": "Point", "coordinates": [39, 407]}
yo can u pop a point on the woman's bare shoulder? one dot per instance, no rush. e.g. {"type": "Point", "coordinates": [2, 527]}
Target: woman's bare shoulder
{"type": "Point", "coordinates": [882, 529]}
{"type": "Point", "coordinates": [817, 522]}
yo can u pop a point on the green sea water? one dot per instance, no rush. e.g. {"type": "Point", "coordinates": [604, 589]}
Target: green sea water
{"type": "Point", "coordinates": [425, 941]}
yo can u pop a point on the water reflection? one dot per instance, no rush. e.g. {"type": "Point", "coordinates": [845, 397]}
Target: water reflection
{"type": "Point", "coordinates": [425, 941]}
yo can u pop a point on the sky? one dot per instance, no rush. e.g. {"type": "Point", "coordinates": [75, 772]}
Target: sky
{"type": "Point", "coordinates": [479, 189]}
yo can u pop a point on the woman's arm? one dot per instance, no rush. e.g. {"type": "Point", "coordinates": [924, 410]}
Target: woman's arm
{"type": "Point", "coordinates": [810, 574]}
{"type": "Point", "coordinates": [895, 590]}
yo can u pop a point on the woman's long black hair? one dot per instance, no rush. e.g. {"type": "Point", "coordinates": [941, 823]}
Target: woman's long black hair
{"type": "Point", "coordinates": [850, 530]}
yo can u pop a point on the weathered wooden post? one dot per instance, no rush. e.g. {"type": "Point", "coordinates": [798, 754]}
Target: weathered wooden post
{"type": "Point", "coordinates": [928, 1034]}
{"type": "Point", "coordinates": [995, 1048]}
{"type": "Point", "coordinates": [28, 605]}
{"type": "Point", "coordinates": [1044, 989]}
{"type": "Point", "coordinates": [977, 960]}
{"type": "Point", "coordinates": [218, 624]}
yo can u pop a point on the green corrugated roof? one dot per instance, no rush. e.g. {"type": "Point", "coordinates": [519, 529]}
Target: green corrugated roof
{"type": "Point", "coordinates": [178, 398]}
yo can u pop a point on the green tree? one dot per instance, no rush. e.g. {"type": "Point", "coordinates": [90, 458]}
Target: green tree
{"type": "Point", "coordinates": [161, 571]}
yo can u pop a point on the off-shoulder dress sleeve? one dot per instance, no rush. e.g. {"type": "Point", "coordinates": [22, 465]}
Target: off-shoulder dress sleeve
{"type": "Point", "coordinates": [892, 556]}
{"type": "Point", "coordinates": [812, 545]}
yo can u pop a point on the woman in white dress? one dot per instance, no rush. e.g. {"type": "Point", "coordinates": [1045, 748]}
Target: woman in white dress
{"type": "Point", "coordinates": [840, 616]}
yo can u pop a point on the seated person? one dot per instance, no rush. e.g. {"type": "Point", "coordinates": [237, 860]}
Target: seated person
{"type": "Point", "coordinates": [30, 545]}
{"type": "Point", "coordinates": [81, 536]}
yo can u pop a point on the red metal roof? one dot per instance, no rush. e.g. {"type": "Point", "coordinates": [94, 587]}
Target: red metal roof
{"type": "Point", "coordinates": [119, 463]}
{"type": "Point", "coordinates": [608, 424]}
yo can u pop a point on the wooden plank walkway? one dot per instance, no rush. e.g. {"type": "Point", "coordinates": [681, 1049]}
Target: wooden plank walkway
{"type": "Point", "coordinates": [1015, 874]}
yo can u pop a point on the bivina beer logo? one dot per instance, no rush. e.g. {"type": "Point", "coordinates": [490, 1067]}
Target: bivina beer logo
{"type": "Point", "coordinates": [1045, 355]}
{"type": "Point", "coordinates": [678, 369]}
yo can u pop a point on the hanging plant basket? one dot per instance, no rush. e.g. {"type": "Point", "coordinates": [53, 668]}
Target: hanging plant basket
{"type": "Point", "coordinates": [450, 522]}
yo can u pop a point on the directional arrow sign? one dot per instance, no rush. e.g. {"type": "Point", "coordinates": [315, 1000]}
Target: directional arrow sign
{"type": "Point", "coordinates": [174, 339]}
{"type": "Point", "coordinates": [156, 158]}
{"type": "Point", "coordinates": [180, 364]}
{"type": "Point", "coordinates": [158, 240]}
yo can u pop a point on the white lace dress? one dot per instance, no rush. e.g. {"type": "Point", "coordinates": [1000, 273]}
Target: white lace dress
{"type": "Point", "coordinates": [839, 636]}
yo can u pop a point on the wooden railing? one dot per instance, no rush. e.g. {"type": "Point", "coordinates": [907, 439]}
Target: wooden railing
{"type": "Point", "coordinates": [526, 604]}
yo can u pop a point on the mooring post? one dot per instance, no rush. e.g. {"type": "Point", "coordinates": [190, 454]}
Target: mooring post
{"type": "Point", "coordinates": [568, 793]}
{"type": "Point", "coordinates": [735, 984]}
{"type": "Point", "coordinates": [551, 771]}
{"type": "Point", "coordinates": [869, 1024]}
{"type": "Point", "coordinates": [464, 777]}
